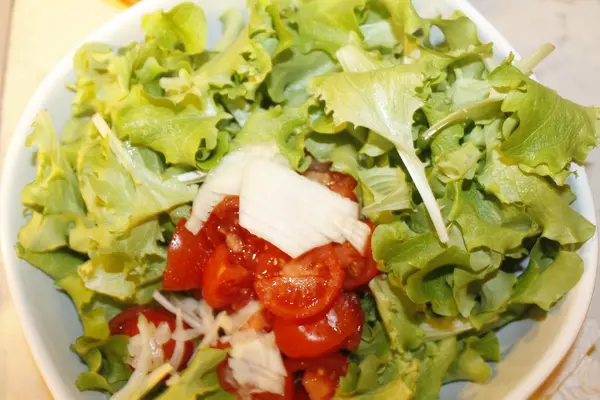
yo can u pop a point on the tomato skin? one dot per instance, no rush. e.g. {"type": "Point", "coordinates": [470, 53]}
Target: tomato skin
{"type": "Point", "coordinates": [303, 287]}
{"type": "Point", "coordinates": [358, 269]}
{"type": "Point", "coordinates": [322, 374]}
{"type": "Point", "coordinates": [225, 376]}
{"type": "Point", "coordinates": [186, 257]}
{"type": "Point", "coordinates": [224, 283]}
{"type": "Point", "coordinates": [322, 334]}
{"type": "Point", "coordinates": [125, 323]}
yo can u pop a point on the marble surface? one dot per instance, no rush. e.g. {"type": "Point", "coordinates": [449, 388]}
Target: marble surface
{"type": "Point", "coordinates": [37, 43]}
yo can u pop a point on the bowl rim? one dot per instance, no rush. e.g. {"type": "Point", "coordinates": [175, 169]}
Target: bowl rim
{"type": "Point", "coordinates": [52, 378]}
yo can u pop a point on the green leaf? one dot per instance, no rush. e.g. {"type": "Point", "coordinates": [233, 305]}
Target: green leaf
{"type": "Point", "coordinates": [184, 25]}
{"type": "Point", "coordinates": [403, 331]}
{"type": "Point", "coordinates": [470, 364]}
{"type": "Point", "coordinates": [384, 101]}
{"type": "Point", "coordinates": [326, 24]}
{"type": "Point", "coordinates": [546, 280]}
{"type": "Point", "coordinates": [438, 359]}
{"type": "Point", "coordinates": [339, 149]}
{"type": "Point", "coordinates": [485, 222]}
{"type": "Point", "coordinates": [177, 135]}
{"type": "Point", "coordinates": [284, 126]}
{"type": "Point", "coordinates": [495, 292]}
{"type": "Point", "coordinates": [233, 24]}
{"type": "Point", "coordinates": [237, 71]}
{"type": "Point", "coordinates": [401, 250]}
{"type": "Point", "coordinates": [552, 131]}
{"type": "Point", "coordinates": [45, 232]}
{"type": "Point", "coordinates": [289, 78]}
{"type": "Point", "coordinates": [544, 203]}
{"type": "Point", "coordinates": [94, 320]}
{"type": "Point", "coordinates": [119, 190]}
{"type": "Point", "coordinates": [103, 78]}
{"type": "Point", "coordinates": [55, 189]}
{"type": "Point", "coordinates": [108, 370]}
{"type": "Point", "coordinates": [459, 31]}
{"type": "Point", "coordinates": [460, 163]}
{"type": "Point", "coordinates": [56, 264]}
{"type": "Point", "coordinates": [199, 379]}
{"type": "Point", "coordinates": [388, 187]}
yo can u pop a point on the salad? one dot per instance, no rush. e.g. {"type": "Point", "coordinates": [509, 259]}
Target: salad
{"type": "Point", "coordinates": [340, 199]}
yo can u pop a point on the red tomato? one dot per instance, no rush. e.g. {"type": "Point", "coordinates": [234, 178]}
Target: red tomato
{"type": "Point", "coordinates": [228, 384]}
{"type": "Point", "coordinates": [223, 283]}
{"type": "Point", "coordinates": [358, 270]}
{"type": "Point", "coordinates": [125, 323]}
{"type": "Point", "coordinates": [321, 334]}
{"type": "Point", "coordinates": [185, 259]}
{"type": "Point", "coordinates": [340, 183]}
{"type": "Point", "coordinates": [335, 362]}
{"type": "Point", "coordinates": [303, 287]}
{"type": "Point", "coordinates": [322, 374]}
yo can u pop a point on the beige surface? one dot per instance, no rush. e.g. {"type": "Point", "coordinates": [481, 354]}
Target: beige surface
{"type": "Point", "coordinates": [45, 30]}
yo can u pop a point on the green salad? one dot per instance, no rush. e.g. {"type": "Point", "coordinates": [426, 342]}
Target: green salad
{"type": "Point", "coordinates": [182, 206]}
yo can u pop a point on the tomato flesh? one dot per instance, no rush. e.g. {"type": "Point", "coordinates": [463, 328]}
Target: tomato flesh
{"type": "Point", "coordinates": [358, 269]}
{"type": "Point", "coordinates": [186, 257]}
{"type": "Point", "coordinates": [321, 375]}
{"type": "Point", "coordinates": [224, 283]}
{"type": "Point", "coordinates": [125, 323]}
{"type": "Point", "coordinates": [322, 334]}
{"type": "Point", "coordinates": [303, 287]}
{"type": "Point", "coordinates": [342, 184]}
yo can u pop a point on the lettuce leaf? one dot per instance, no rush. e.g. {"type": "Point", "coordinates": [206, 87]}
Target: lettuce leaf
{"type": "Point", "coordinates": [177, 135]}
{"type": "Point", "coordinates": [326, 24]}
{"type": "Point", "coordinates": [549, 276]}
{"type": "Point", "coordinates": [552, 131]}
{"type": "Point", "coordinates": [545, 203]}
{"type": "Point", "coordinates": [289, 78]}
{"type": "Point", "coordinates": [106, 362]}
{"type": "Point", "coordinates": [284, 126]}
{"type": "Point", "coordinates": [55, 189]}
{"type": "Point", "coordinates": [119, 190]}
{"type": "Point", "coordinates": [199, 379]}
{"type": "Point", "coordinates": [184, 25]}
{"type": "Point", "coordinates": [439, 357]}
{"type": "Point", "coordinates": [403, 331]}
{"type": "Point", "coordinates": [384, 101]}
{"type": "Point", "coordinates": [388, 188]}
{"type": "Point", "coordinates": [485, 222]}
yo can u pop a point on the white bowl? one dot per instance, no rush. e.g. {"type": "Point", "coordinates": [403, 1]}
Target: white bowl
{"type": "Point", "coordinates": [531, 350]}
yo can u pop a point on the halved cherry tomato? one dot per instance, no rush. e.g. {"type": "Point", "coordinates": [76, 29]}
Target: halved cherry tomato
{"type": "Point", "coordinates": [358, 270]}
{"type": "Point", "coordinates": [322, 334]}
{"type": "Point", "coordinates": [186, 257]}
{"type": "Point", "coordinates": [225, 283]}
{"type": "Point", "coordinates": [322, 374]}
{"type": "Point", "coordinates": [125, 323]}
{"type": "Point", "coordinates": [303, 287]}
{"type": "Point", "coordinates": [228, 384]}
{"type": "Point", "coordinates": [335, 362]}
{"type": "Point", "coordinates": [340, 183]}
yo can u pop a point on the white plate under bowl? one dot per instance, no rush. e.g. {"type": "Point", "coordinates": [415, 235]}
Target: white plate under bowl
{"type": "Point", "coordinates": [530, 350]}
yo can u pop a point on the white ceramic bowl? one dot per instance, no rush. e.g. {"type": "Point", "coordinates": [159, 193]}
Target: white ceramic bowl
{"type": "Point", "coordinates": [531, 350]}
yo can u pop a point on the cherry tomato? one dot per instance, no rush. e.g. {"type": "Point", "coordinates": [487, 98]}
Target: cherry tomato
{"type": "Point", "coordinates": [322, 374]}
{"type": "Point", "coordinates": [229, 384]}
{"type": "Point", "coordinates": [186, 257]}
{"type": "Point", "coordinates": [125, 323]}
{"type": "Point", "coordinates": [321, 334]}
{"type": "Point", "coordinates": [340, 183]}
{"type": "Point", "coordinates": [335, 362]}
{"type": "Point", "coordinates": [358, 270]}
{"type": "Point", "coordinates": [303, 287]}
{"type": "Point", "coordinates": [224, 283]}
